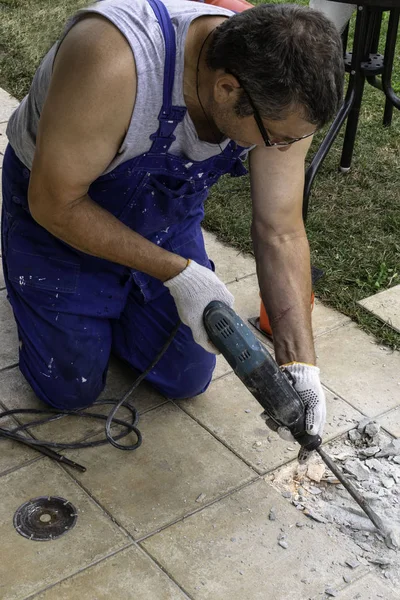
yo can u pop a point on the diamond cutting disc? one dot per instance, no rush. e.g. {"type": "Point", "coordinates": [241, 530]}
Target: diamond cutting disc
{"type": "Point", "coordinates": [44, 519]}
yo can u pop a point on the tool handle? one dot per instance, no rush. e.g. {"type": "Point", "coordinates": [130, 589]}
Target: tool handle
{"type": "Point", "coordinates": [255, 366]}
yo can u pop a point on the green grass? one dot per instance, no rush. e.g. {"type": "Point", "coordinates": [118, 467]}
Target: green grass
{"type": "Point", "coordinates": [354, 220]}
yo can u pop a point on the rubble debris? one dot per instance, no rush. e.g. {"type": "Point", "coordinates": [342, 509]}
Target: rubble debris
{"type": "Point", "coordinates": [371, 451]}
{"type": "Point", "coordinates": [392, 449]}
{"type": "Point", "coordinates": [363, 423]}
{"type": "Point", "coordinates": [374, 464]}
{"type": "Point", "coordinates": [283, 544]}
{"type": "Point", "coordinates": [272, 515]}
{"type": "Point", "coordinates": [357, 469]}
{"type": "Point", "coordinates": [331, 592]}
{"type": "Point", "coordinates": [380, 560]}
{"type": "Point", "coordinates": [314, 515]}
{"type": "Point", "coordinates": [355, 437]}
{"type": "Point", "coordinates": [353, 563]}
{"type": "Point", "coordinates": [201, 497]}
{"type": "Point", "coordinates": [372, 429]}
{"type": "Point", "coordinates": [316, 471]}
{"type": "Point", "coordinates": [286, 494]}
{"type": "Point", "coordinates": [347, 579]}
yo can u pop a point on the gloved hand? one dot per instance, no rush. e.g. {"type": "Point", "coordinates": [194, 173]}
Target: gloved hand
{"type": "Point", "coordinates": [306, 382]}
{"type": "Point", "coordinates": [193, 289]}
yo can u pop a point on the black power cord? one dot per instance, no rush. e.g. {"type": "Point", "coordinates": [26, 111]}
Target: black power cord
{"type": "Point", "coordinates": [47, 447]}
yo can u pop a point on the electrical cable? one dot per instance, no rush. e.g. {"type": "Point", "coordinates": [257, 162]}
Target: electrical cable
{"type": "Point", "coordinates": [47, 447]}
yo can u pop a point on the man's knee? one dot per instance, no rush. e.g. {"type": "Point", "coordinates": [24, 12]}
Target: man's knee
{"type": "Point", "coordinates": [191, 378]}
{"type": "Point", "coordinates": [75, 390]}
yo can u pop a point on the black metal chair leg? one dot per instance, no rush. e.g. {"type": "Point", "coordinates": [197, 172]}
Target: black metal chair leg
{"type": "Point", "coordinates": [388, 113]}
{"type": "Point", "coordinates": [389, 58]}
{"type": "Point", "coordinates": [362, 24]}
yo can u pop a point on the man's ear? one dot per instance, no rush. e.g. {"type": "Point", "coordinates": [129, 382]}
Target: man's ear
{"type": "Point", "coordinates": [226, 88]}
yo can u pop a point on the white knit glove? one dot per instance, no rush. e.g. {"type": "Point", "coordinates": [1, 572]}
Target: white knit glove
{"type": "Point", "coordinates": [306, 382]}
{"type": "Point", "coordinates": [193, 289]}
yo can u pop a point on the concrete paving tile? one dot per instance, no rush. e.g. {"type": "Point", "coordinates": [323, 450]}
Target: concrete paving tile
{"type": "Point", "coordinates": [126, 575]}
{"type": "Point", "coordinates": [8, 334]}
{"type": "Point", "coordinates": [3, 138]}
{"type": "Point", "coordinates": [385, 306]}
{"type": "Point", "coordinates": [228, 410]}
{"type": "Point", "coordinates": [27, 567]}
{"type": "Point", "coordinates": [326, 319]}
{"type": "Point", "coordinates": [222, 367]}
{"type": "Point", "coordinates": [230, 264]}
{"type": "Point", "coordinates": [370, 587]}
{"type": "Point", "coordinates": [2, 283]}
{"type": "Point", "coordinates": [161, 481]}
{"type": "Point", "coordinates": [357, 369]}
{"type": "Point", "coordinates": [7, 105]}
{"type": "Point", "coordinates": [230, 550]}
{"type": "Point", "coordinates": [15, 392]}
{"type": "Point", "coordinates": [391, 422]}
{"type": "Point", "coordinates": [13, 454]}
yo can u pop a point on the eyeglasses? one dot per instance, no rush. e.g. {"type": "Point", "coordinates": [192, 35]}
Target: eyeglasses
{"type": "Point", "coordinates": [260, 124]}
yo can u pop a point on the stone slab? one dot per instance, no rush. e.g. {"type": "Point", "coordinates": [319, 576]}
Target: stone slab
{"type": "Point", "coordinates": [15, 392]}
{"type": "Point", "coordinates": [161, 481]}
{"type": "Point", "coordinates": [230, 550]}
{"type": "Point", "coordinates": [325, 319]}
{"type": "Point", "coordinates": [230, 264]}
{"type": "Point", "coordinates": [385, 306]}
{"type": "Point", "coordinates": [126, 575]}
{"type": "Point", "coordinates": [27, 567]}
{"type": "Point", "coordinates": [370, 587]}
{"type": "Point", "coordinates": [8, 334]}
{"type": "Point", "coordinates": [360, 371]}
{"type": "Point", "coordinates": [13, 454]}
{"type": "Point", "coordinates": [7, 105]}
{"type": "Point", "coordinates": [391, 422]}
{"type": "Point", "coordinates": [229, 411]}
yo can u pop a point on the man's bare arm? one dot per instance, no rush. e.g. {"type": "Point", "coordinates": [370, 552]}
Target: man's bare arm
{"type": "Point", "coordinates": [281, 248]}
{"type": "Point", "coordinates": [84, 120]}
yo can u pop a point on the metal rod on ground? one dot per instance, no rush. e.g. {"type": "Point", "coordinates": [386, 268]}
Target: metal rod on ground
{"type": "Point", "coordinates": [376, 520]}
{"type": "Point", "coordinates": [44, 450]}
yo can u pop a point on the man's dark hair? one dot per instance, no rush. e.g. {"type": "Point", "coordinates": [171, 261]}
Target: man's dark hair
{"type": "Point", "coordinates": [286, 56]}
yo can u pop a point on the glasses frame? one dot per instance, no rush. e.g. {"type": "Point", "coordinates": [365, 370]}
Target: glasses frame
{"type": "Point", "coordinates": [260, 124]}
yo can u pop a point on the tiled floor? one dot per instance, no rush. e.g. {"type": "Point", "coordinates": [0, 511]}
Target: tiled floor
{"type": "Point", "coordinates": [186, 515]}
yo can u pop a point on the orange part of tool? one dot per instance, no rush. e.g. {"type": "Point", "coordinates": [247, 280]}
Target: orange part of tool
{"type": "Point", "coordinates": [264, 320]}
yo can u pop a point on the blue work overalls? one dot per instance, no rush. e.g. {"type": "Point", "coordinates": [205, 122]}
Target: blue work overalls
{"type": "Point", "coordinates": [73, 309]}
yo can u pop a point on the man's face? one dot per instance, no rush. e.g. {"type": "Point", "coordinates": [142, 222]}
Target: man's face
{"type": "Point", "coordinates": [245, 131]}
{"type": "Point", "coordinates": [252, 130]}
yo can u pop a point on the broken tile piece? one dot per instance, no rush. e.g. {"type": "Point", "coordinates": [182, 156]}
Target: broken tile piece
{"type": "Point", "coordinates": [357, 469]}
{"type": "Point", "coordinates": [385, 306]}
{"type": "Point", "coordinates": [316, 471]}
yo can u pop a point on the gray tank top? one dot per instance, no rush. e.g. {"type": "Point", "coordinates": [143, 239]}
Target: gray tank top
{"type": "Point", "coordinates": [138, 23]}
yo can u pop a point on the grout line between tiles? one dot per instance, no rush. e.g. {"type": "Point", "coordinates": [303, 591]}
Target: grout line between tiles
{"type": "Point", "coordinates": [200, 509]}
{"type": "Point", "coordinates": [216, 437]}
{"type": "Point", "coordinates": [93, 564]}
{"type": "Point", "coordinates": [236, 279]}
{"type": "Point", "coordinates": [9, 367]}
{"type": "Point", "coordinates": [165, 571]}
